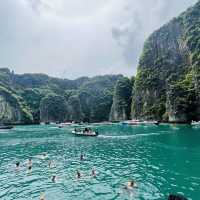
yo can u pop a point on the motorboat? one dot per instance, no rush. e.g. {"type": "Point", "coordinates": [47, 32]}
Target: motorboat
{"type": "Point", "coordinates": [85, 132]}
{"type": "Point", "coordinates": [195, 123]}
{"type": "Point", "coordinates": [139, 122]}
{"type": "Point", "coordinates": [61, 125]}
{"type": "Point", "coordinates": [3, 127]}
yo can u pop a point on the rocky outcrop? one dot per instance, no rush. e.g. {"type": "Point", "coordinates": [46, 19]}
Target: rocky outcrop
{"type": "Point", "coordinates": [121, 106]}
{"type": "Point", "coordinates": [53, 108]}
{"type": "Point", "coordinates": [75, 112]}
{"type": "Point", "coordinates": [9, 113]}
{"type": "Point", "coordinates": [166, 86]}
{"type": "Point", "coordinates": [12, 109]}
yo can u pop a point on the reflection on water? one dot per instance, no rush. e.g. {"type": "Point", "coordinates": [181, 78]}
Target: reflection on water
{"type": "Point", "coordinates": [161, 159]}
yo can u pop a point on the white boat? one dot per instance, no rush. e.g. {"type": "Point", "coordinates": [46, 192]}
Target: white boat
{"type": "Point", "coordinates": [194, 123]}
{"type": "Point", "coordinates": [85, 132]}
{"type": "Point", "coordinates": [138, 122]}
{"type": "Point", "coordinates": [2, 127]}
{"type": "Point", "coordinates": [61, 125]}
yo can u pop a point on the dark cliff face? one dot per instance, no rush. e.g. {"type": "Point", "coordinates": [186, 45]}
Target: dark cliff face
{"type": "Point", "coordinates": [13, 109]}
{"type": "Point", "coordinates": [31, 98]}
{"type": "Point", "coordinates": [166, 85]}
{"type": "Point", "coordinates": [53, 108]}
{"type": "Point", "coordinates": [121, 106]}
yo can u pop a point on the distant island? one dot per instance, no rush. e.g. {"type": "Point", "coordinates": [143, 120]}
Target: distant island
{"type": "Point", "coordinates": [165, 88]}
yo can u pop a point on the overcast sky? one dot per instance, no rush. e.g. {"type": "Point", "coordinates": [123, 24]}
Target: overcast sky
{"type": "Point", "coordinates": [73, 38]}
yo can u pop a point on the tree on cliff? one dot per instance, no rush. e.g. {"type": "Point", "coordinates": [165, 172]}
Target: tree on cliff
{"type": "Point", "coordinates": [53, 107]}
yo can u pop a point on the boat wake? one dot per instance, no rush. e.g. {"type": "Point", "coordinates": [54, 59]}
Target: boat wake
{"type": "Point", "coordinates": [128, 136]}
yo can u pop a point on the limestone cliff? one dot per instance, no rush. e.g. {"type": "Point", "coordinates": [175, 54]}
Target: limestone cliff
{"type": "Point", "coordinates": [121, 106]}
{"type": "Point", "coordinates": [166, 84]}
{"type": "Point", "coordinates": [12, 109]}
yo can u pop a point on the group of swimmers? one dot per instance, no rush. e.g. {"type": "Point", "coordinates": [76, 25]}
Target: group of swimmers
{"type": "Point", "coordinates": [129, 186]}
{"type": "Point", "coordinates": [43, 156]}
{"type": "Point", "coordinates": [29, 164]}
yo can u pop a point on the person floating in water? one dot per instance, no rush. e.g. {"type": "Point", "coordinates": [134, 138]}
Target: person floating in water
{"type": "Point", "coordinates": [30, 168]}
{"type": "Point", "coordinates": [42, 196]}
{"type": "Point", "coordinates": [130, 185]}
{"type": "Point", "coordinates": [50, 164]}
{"type": "Point", "coordinates": [54, 178]}
{"type": "Point", "coordinates": [17, 165]}
{"type": "Point", "coordinates": [94, 173]}
{"type": "Point", "coordinates": [29, 162]}
{"type": "Point", "coordinates": [44, 156]}
{"type": "Point", "coordinates": [81, 157]}
{"type": "Point", "coordinates": [78, 174]}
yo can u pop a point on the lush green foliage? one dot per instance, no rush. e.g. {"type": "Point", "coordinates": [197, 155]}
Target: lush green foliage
{"type": "Point", "coordinates": [122, 100]}
{"type": "Point", "coordinates": [168, 77]}
{"type": "Point", "coordinates": [53, 107]}
{"type": "Point", "coordinates": [40, 97]}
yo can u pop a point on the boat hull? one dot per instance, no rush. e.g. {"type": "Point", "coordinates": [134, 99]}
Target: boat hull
{"type": "Point", "coordinates": [81, 134]}
{"type": "Point", "coordinates": [6, 127]}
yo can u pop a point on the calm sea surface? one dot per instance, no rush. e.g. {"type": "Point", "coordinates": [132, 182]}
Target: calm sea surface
{"type": "Point", "coordinates": [161, 159]}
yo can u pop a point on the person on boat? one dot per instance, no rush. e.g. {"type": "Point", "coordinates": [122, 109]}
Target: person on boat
{"type": "Point", "coordinates": [130, 185]}
{"type": "Point", "coordinates": [78, 174]}
{"type": "Point", "coordinates": [176, 197]}
{"type": "Point", "coordinates": [86, 130]}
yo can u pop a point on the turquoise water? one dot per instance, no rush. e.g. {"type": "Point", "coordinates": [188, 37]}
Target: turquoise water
{"type": "Point", "coordinates": [162, 160]}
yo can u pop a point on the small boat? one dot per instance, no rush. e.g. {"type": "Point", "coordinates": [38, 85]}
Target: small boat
{"type": "Point", "coordinates": [3, 127]}
{"type": "Point", "coordinates": [138, 122]}
{"type": "Point", "coordinates": [61, 125]}
{"type": "Point", "coordinates": [86, 132]}
{"type": "Point", "coordinates": [194, 123]}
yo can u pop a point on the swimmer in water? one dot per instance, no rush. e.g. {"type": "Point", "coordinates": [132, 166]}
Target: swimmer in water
{"type": "Point", "coordinates": [42, 196]}
{"type": "Point", "coordinates": [81, 157]}
{"type": "Point", "coordinates": [78, 174]}
{"type": "Point", "coordinates": [17, 165]}
{"type": "Point", "coordinates": [50, 164]}
{"type": "Point", "coordinates": [30, 162]}
{"type": "Point", "coordinates": [130, 185]}
{"type": "Point", "coordinates": [54, 179]}
{"type": "Point", "coordinates": [30, 167]}
{"type": "Point", "coordinates": [44, 156]}
{"type": "Point", "coordinates": [94, 173]}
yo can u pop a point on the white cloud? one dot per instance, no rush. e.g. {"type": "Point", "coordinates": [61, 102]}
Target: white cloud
{"type": "Point", "coordinates": [79, 37]}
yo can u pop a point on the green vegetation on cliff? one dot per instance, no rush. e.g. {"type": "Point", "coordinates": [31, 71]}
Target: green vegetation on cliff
{"type": "Point", "coordinates": [121, 106]}
{"type": "Point", "coordinates": [53, 108]}
{"type": "Point", "coordinates": [167, 82]}
{"type": "Point", "coordinates": [31, 98]}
